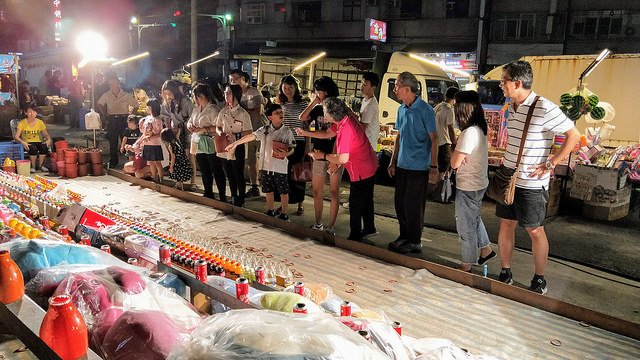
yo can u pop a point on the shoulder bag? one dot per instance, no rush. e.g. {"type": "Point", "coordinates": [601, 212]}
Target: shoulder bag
{"type": "Point", "coordinates": [502, 186]}
{"type": "Point", "coordinates": [302, 171]}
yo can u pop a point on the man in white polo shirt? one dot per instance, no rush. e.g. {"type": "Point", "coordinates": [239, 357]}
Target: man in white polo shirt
{"type": "Point", "coordinates": [115, 104]}
{"type": "Point", "coordinates": [529, 206]}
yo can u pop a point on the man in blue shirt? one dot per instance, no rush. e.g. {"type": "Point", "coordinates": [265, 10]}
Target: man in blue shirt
{"type": "Point", "coordinates": [415, 150]}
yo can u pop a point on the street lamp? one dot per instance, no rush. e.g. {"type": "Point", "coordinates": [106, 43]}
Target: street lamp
{"type": "Point", "coordinates": [225, 44]}
{"type": "Point", "coordinates": [93, 47]}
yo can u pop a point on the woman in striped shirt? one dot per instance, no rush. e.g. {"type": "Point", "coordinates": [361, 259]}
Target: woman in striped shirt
{"type": "Point", "coordinates": [290, 99]}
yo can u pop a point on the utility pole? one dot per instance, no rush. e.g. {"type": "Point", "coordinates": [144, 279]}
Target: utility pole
{"type": "Point", "coordinates": [194, 39]}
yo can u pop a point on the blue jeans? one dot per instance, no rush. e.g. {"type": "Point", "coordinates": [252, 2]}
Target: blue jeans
{"type": "Point", "coordinates": [473, 235]}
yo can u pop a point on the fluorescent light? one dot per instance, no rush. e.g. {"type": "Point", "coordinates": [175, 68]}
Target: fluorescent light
{"type": "Point", "coordinates": [134, 57]}
{"type": "Point", "coordinates": [595, 63]}
{"type": "Point", "coordinates": [204, 58]}
{"type": "Point", "coordinates": [443, 67]}
{"type": "Point", "coordinates": [310, 61]}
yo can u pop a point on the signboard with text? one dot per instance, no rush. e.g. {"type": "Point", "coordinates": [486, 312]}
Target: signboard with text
{"type": "Point", "coordinates": [375, 30]}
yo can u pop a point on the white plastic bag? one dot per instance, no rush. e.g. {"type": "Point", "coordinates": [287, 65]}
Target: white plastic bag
{"type": "Point", "coordinates": [92, 121]}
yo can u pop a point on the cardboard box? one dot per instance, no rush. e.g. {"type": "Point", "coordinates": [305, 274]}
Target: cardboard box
{"type": "Point", "coordinates": [607, 212]}
{"type": "Point", "coordinates": [613, 179]}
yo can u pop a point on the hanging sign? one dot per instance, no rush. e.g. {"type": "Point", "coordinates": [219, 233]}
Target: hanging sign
{"type": "Point", "coordinates": [8, 64]}
{"type": "Point", "coordinates": [375, 30]}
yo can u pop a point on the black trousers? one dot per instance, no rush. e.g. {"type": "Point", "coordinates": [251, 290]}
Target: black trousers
{"type": "Point", "coordinates": [211, 168]}
{"type": "Point", "coordinates": [115, 127]}
{"type": "Point", "coordinates": [361, 207]}
{"type": "Point", "coordinates": [234, 169]}
{"type": "Point", "coordinates": [75, 104]}
{"type": "Point", "coordinates": [410, 201]}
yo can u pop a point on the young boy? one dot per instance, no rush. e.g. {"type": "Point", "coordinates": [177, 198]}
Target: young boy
{"type": "Point", "coordinates": [130, 135]}
{"type": "Point", "coordinates": [276, 143]}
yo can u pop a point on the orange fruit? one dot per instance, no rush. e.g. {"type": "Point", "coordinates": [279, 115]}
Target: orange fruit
{"type": "Point", "coordinates": [13, 222]}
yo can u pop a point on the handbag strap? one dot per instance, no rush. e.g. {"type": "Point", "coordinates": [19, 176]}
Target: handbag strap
{"type": "Point", "coordinates": [527, 122]}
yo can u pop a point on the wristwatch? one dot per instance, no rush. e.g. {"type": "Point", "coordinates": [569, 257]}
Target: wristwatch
{"type": "Point", "coordinates": [549, 165]}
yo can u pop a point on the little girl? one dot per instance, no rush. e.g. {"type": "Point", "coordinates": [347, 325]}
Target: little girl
{"type": "Point", "coordinates": [180, 167]}
{"type": "Point", "coordinates": [151, 126]}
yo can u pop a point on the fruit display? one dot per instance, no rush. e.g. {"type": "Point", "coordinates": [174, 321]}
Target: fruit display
{"type": "Point", "coordinates": [578, 102]}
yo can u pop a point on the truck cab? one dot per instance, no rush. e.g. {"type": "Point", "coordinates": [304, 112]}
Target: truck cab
{"type": "Point", "coordinates": [432, 84]}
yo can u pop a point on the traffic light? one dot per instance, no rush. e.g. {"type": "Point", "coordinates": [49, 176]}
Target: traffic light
{"type": "Point", "coordinates": [177, 13]}
{"type": "Point", "coordinates": [173, 24]}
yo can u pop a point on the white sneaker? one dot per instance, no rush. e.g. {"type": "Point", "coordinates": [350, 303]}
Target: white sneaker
{"type": "Point", "coordinates": [44, 168]}
{"type": "Point", "coordinates": [33, 171]}
{"type": "Point", "coordinates": [330, 230]}
{"type": "Point", "coordinates": [318, 227]}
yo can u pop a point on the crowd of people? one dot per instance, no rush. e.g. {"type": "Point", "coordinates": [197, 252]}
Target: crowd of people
{"type": "Point", "coordinates": [221, 130]}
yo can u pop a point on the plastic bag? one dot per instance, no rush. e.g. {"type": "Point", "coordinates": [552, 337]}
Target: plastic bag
{"type": "Point", "coordinates": [383, 336]}
{"type": "Point", "coordinates": [258, 334]}
{"type": "Point", "coordinates": [115, 235]}
{"type": "Point", "coordinates": [35, 255]}
{"type": "Point", "coordinates": [317, 293]}
{"type": "Point", "coordinates": [229, 286]}
{"type": "Point", "coordinates": [102, 295]}
{"type": "Point", "coordinates": [134, 245]}
{"type": "Point", "coordinates": [145, 335]}
{"type": "Point", "coordinates": [285, 301]}
{"type": "Point", "coordinates": [333, 303]}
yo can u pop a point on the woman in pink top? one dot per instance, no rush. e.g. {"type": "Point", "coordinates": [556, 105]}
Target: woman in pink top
{"type": "Point", "coordinates": [151, 127]}
{"type": "Point", "coordinates": [354, 151]}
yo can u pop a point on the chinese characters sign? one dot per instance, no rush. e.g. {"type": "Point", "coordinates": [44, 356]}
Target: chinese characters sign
{"type": "Point", "coordinates": [375, 30]}
{"type": "Point", "coordinates": [57, 20]}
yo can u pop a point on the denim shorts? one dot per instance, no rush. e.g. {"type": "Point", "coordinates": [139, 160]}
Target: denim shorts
{"type": "Point", "coordinates": [529, 207]}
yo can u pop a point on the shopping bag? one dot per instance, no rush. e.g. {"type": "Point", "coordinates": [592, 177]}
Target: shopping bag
{"type": "Point", "coordinates": [302, 171]}
{"type": "Point", "coordinates": [92, 120]}
{"type": "Point", "coordinates": [502, 186]}
{"type": "Point", "coordinates": [443, 192]}
{"type": "Point", "coordinates": [221, 142]}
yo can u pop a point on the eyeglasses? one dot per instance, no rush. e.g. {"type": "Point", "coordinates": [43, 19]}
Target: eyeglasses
{"type": "Point", "coordinates": [503, 80]}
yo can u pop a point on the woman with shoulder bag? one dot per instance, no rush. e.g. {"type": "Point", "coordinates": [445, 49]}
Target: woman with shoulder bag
{"type": "Point", "coordinates": [470, 160]}
{"type": "Point", "coordinates": [201, 125]}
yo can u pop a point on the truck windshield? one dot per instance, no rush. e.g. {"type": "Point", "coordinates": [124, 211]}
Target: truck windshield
{"type": "Point", "coordinates": [392, 95]}
{"type": "Point", "coordinates": [435, 90]}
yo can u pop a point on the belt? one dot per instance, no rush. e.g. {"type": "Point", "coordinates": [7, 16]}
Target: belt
{"type": "Point", "coordinates": [117, 116]}
{"type": "Point", "coordinates": [271, 172]}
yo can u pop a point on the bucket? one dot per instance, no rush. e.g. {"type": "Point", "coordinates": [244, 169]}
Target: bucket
{"type": "Point", "coordinates": [96, 156]}
{"type": "Point", "coordinates": [61, 167]}
{"type": "Point", "coordinates": [97, 170]}
{"type": "Point", "coordinates": [61, 144]}
{"type": "Point", "coordinates": [11, 169]}
{"type": "Point", "coordinates": [23, 167]}
{"type": "Point", "coordinates": [60, 154]}
{"type": "Point", "coordinates": [83, 169]}
{"type": "Point", "coordinates": [82, 156]}
{"type": "Point", "coordinates": [71, 170]}
{"type": "Point", "coordinates": [71, 156]}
